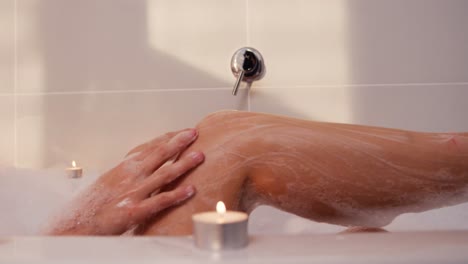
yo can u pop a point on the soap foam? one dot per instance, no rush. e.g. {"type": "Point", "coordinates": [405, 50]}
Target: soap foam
{"type": "Point", "coordinates": [29, 197]}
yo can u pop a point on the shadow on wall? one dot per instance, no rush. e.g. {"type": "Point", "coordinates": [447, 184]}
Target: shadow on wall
{"type": "Point", "coordinates": [413, 47]}
{"type": "Point", "coordinates": [98, 46]}
{"type": "Point", "coordinates": [104, 45]}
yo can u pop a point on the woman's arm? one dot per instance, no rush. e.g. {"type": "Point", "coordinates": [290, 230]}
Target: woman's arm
{"type": "Point", "coordinates": [131, 193]}
{"type": "Point", "coordinates": [342, 174]}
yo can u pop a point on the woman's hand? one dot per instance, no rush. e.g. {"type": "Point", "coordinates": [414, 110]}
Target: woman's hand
{"type": "Point", "coordinates": [129, 194]}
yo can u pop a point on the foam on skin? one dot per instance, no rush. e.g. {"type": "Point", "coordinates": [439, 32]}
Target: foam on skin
{"type": "Point", "coordinates": [336, 173]}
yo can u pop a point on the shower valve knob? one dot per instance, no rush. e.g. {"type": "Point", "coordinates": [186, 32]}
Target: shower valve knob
{"type": "Point", "coordinates": [247, 65]}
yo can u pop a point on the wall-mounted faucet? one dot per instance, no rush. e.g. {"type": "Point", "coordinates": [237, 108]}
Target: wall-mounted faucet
{"type": "Point", "coordinates": [247, 65]}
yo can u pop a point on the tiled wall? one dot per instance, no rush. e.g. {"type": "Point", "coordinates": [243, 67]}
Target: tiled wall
{"type": "Point", "coordinates": [89, 79]}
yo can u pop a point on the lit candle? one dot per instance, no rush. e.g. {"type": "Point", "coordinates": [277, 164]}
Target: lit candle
{"type": "Point", "coordinates": [74, 171]}
{"type": "Point", "coordinates": [221, 229]}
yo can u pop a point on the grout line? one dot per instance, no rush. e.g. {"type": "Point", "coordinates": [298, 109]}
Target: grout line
{"type": "Point", "coordinates": [125, 91]}
{"type": "Point", "coordinates": [219, 88]}
{"type": "Point", "coordinates": [364, 85]}
{"type": "Point", "coordinates": [247, 26]}
{"type": "Point", "coordinates": [15, 84]}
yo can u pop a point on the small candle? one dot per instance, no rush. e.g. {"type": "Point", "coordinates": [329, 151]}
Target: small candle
{"type": "Point", "coordinates": [74, 171]}
{"type": "Point", "coordinates": [221, 229]}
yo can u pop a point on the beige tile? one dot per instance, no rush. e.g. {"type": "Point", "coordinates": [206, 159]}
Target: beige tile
{"type": "Point", "coordinates": [331, 104]}
{"type": "Point", "coordinates": [128, 45]}
{"type": "Point", "coordinates": [425, 108]}
{"type": "Point", "coordinates": [360, 42]}
{"type": "Point", "coordinates": [303, 42]}
{"type": "Point", "coordinates": [400, 41]}
{"type": "Point", "coordinates": [435, 108]}
{"type": "Point", "coordinates": [203, 34]}
{"type": "Point", "coordinates": [7, 131]}
{"type": "Point", "coordinates": [6, 46]}
{"type": "Point", "coordinates": [97, 130]}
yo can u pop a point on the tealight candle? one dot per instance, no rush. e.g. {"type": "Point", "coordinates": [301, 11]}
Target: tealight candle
{"type": "Point", "coordinates": [221, 229]}
{"type": "Point", "coordinates": [74, 171]}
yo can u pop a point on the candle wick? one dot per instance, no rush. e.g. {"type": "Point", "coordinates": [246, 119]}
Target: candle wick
{"type": "Point", "coordinates": [221, 217]}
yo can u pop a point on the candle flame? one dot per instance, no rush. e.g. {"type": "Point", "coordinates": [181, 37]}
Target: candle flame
{"type": "Point", "coordinates": [220, 208]}
{"type": "Point", "coordinates": [74, 164]}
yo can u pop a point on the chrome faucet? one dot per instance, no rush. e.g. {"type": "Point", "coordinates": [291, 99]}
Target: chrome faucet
{"type": "Point", "coordinates": [247, 65]}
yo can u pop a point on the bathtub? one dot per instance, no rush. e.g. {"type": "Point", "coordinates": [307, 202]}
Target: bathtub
{"type": "Point", "coordinates": [28, 198]}
{"type": "Point", "coordinates": [408, 247]}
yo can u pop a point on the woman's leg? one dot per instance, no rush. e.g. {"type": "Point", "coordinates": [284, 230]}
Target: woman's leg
{"type": "Point", "coordinates": [336, 173]}
{"type": "Point", "coordinates": [222, 176]}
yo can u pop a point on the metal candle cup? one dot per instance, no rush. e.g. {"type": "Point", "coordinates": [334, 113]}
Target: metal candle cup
{"type": "Point", "coordinates": [74, 171]}
{"type": "Point", "coordinates": [219, 231]}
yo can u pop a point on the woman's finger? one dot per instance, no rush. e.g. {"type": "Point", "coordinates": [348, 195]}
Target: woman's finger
{"type": "Point", "coordinates": [148, 146]}
{"type": "Point", "coordinates": [149, 207]}
{"type": "Point", "coordinates": [165, 151]}
{"type": "Point", "coordinates": [169, 173]}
